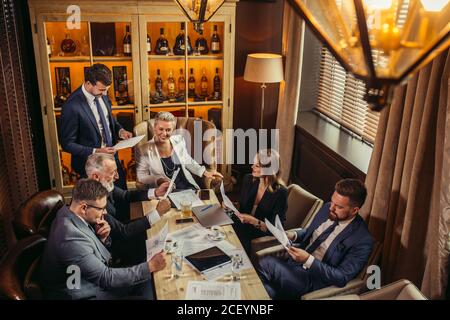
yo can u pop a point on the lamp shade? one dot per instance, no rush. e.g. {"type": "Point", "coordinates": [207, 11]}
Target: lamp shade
{"type": "Point", "coordinates": [264, 68]}
{"type": "Point", "coordinates": [382, 42]}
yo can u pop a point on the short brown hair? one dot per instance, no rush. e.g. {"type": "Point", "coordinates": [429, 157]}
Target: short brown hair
{"type": "Point", "coordinates": [98, 72]}
{"type": "Point", "coordinates": [354, 189]}
{"type": "Point", "coordinates": [88, 190]}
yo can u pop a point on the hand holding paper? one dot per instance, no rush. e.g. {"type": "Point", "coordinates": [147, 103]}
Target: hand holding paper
{"type": "Point", "coordinates": [278, 232]}
{"type": "Point", "coordinates": [172, 183]}
{"type": "Point", "coordinates": [129, 143]}
{"type": "Point", "coordinates": [156, 244]}
{"type": "Point", "coordinates": [227, 201]}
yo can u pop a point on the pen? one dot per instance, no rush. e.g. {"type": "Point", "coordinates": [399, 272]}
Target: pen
{"type": "Point", "coordinates": [206, 208]}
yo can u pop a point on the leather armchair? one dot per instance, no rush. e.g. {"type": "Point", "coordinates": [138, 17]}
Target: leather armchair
{"type": "Point", "coordinates": [18, 269]}
{"type": "Point", "coordinates": [36, 214]}
{"type": "Point", "coordinates": [146, 128]}
{"type": "Point", "coordinates": [302, 207]}
{"type": "Point", "coordinates": [399, 290]}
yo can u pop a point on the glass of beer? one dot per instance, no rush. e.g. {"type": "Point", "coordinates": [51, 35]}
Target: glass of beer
{"type": "Point", "coordinates": [186, 209]}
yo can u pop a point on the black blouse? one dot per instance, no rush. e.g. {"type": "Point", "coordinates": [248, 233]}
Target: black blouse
{"type": "Point", "coordinates": [181, 183]}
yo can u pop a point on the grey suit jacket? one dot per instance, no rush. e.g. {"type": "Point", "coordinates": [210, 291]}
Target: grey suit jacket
{"type": "Point", "coordinates": [72, 243]}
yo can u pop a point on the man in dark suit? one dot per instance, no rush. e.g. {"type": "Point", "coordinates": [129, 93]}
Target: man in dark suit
{"type": "Point", "coordinates": [87, 124]}
{"type": "Point", "coordinates": [76, 263]}
{"type": "Point", "coordinates": [128, 238]}
{"type": "Point", "coordinates": [330, 252]}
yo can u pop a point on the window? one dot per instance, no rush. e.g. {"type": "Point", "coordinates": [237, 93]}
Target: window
{"type": "Point", "coordinates": [341, 97]}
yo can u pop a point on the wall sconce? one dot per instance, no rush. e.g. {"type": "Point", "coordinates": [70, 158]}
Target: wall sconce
{"type": "Point", "coordinates": [382, 42]}
{"type": "Point", "coordinates": [199, 11]}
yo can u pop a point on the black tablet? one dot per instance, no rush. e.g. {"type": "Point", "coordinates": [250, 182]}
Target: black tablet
{"type": "Point", "coordinates": [208, 259]}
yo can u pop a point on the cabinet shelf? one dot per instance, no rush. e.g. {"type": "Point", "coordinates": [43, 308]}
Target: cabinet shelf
{"type": "Point", "coordinates": [169, 58]}
{"type": "Point", "coordinates": [167, 104]}
{"type": "Point", "coordinates": [205, 103]}
{"type": "Point", "coordinates": [87, 59]}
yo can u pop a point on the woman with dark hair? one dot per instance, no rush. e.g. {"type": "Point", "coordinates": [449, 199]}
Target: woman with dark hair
{"type": "Point", "coordinates": [263, 196]}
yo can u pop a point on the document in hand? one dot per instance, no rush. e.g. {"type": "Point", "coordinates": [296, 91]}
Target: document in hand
{"type": "Point", "coordinates": [156, 244]}
{"type": "Point", "coordinates": [172, 183]}
{"type": "Point", "coordinates": [278, 232]}
{"type": "Point", "coordinates": [128, 143]}
{"type": "Point", "coordinates": [227, 200]}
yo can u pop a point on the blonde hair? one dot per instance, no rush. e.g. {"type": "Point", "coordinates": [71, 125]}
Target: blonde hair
{"type": "Point", "coordinates": [269, 161]}
{"type": "Point", "coordinates": [165, 116]}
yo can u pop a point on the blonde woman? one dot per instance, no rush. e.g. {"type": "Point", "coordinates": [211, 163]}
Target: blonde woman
{"type": "Point", "coordinates": [160, 157]}
{"type": "Point", "coordinates": [263, 196]}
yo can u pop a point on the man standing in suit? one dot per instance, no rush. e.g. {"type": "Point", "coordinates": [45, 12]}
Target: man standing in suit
{"type": "Point", "coordinates": [330, 252]}
{"type": "Point", "coordinates": [129, 238]}
{"type": "Point", "coordinates": [76, 262]}
{"type": "Point", "coordinates": [87, 124]}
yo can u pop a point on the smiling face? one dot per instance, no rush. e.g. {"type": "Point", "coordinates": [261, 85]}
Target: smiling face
{"type": "Point", "coordinates": [341, 208]}
{"type": "Point", "coordinates": [97, 90]}
{"type": "Point", "coordinates": [108, 175]}
{"type": "Point", "coordinates": [163, 130]}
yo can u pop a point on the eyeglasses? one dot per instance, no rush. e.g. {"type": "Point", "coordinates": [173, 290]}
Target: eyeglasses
{"type": "Point", "coordinates": [98, 208]}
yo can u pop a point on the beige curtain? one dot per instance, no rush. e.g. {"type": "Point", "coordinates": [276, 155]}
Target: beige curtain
{"type": "Point", "coordinates": [290, 87]}
{"type": "Point", "coordinates": [406, 179]}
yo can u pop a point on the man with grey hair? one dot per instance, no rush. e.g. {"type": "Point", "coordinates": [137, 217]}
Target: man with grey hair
{"type": "Point", "coordinates": [128, 238]}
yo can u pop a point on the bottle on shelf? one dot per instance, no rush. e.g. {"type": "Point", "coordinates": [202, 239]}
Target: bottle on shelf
{"type": "Point", "coordinates": [53, 45]}
{"type": "Point", "coordinates": [149, 44]}
{"type": "Point", "coordinates": [49, 48]}
{"type": "Point", "coordinates": [179, 47]}
{"type": "Point", "coordinates": [84, 50]}
{"type": "Point", "coordinates": [127, 42]}
{"type": "Point", "coordinates": [204, 84]}
{"type": "Point", "coordinates": [120, 85]}
{"type": "Point", "coordinates": [68, 46]}
{"type": "Point", "coordinates": [217, 88]}
{"type": "Point", "coordinates": [66, 177]}
{"type": "Point", "coordinates": [181, 84]}
{"type": "Point", "coordinates": [171, 87]}
{"type": "Point", "coordinates": [215, 41]}
{"type": "Point", "coordinates": [158, 84]}
{"type": "Point", "coordinates": [201, 45]}
{"type": "Point", "coordinates": [191, 85]}
{"type": "Point", "coordinates": [162, 45]}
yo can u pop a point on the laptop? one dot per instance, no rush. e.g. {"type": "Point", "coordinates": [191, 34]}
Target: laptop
{"type": "Point", "coordinates": [208, 259]}
{"type": "Point", "coordinates": [211, 215]}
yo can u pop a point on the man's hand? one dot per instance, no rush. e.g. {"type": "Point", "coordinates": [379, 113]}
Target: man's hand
{"type": "Point", "coordinates": [108, 150]}
{"type": "Point", "coordinates": [212, 174]}
{"type": "Point", "coordinates": [102, 229]}
{"type": "Point", "coordinates": [163, 206]}
{"type": "Point", "coordinates": [158, 262]}
{"type": "Point", "coordinates": [160, 181]}
{"type": "Point", "coordinates": [290, 235]}
{"type": "Point", "coordinates": [124, 134]}
{"type": "Point", "coordinates": [297, 254]}
{"type": "Point", "coordinates": [162, 188]}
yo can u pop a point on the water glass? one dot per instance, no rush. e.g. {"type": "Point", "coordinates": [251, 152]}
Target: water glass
{"type": "Point", "coordinates": [177, 261]}
{"type": "Point", "coordinates": [236, 266]}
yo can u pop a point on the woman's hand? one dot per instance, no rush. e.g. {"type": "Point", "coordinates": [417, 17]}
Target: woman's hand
{"type": "Point", "coordinates": [247, 219]}
{"type": "Point", "coordinates": [212, 174]}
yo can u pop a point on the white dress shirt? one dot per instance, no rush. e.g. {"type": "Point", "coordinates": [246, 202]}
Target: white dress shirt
{"type": "Point", "coordinates": [319, 253]}
{"type": "Point", "coordinates": [91, 102]}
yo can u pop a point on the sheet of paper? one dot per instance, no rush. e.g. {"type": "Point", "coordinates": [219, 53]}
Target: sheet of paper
{"type": "Point", "coordinates": [227, 200]}
{"type": "Point", "coordinates": [185, 195]}
{"type": "Point", "coordinates": [156, 244]}
{"type": "Point", "coordinates": [128, 143]}
{"type": "Point", "coordinates": [172, 183]}
{"type": "Point", "coordinates": [277, 233]}
{"type": "Point", "coordinates": [208, 290]}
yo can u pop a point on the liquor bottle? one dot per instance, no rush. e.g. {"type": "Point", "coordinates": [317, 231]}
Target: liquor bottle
{"type": "Point", "coordinates": [171, 86]}
{"type": "Point", "coordinates": [191, 85]}
{"type": "Point", "coordinates": [179, 47]}
{"type": "Point", "coordinates": [68, 45]}
{"type": "Point", "coordinates": [204, 85]}
{"type": "Point", "coordinates": [149, 44]}
{"type": "Point", "coordinates": [162, 45]}
{"type": "Point", "coordinates": [201, 44]}
{"type": "Point", "coordinates": [84, 50]}
{"type": "Point", "coordinates": [127, 42]}
{"type": "Point", "coordinates": [53, 45]}
{"type": "Point", "coordinates": [49, 48]}
{"type": "Point", "coordinates": [217, 88]}
{"type": "Point", "coordinates": [120, 86]}
{"type": "Point", "coordinates": [215, 41]}
{"type": "Point", "coordinates": [181, 84]}
{"type": "Point", "coordinates": [67, 179]}
{"type": "Point", "coordinates": [158, 83]}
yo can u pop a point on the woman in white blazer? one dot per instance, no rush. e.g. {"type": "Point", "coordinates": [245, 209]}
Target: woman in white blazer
{"type": "Point", "coordinates": [159, 158]}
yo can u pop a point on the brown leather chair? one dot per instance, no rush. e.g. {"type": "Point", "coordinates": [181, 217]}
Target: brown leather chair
{"type": "Point", "coordinates": [36, 214]}
{"type": "Point", "coordinates": [18, 269]}
{"type": "Point", "coordinates": [146, 128]}
{"type": "Point", "coordinates": [302, 207]}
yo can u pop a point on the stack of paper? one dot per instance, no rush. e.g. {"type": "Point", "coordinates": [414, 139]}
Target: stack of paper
{"type": "Point", "coordinates": [205, 290]}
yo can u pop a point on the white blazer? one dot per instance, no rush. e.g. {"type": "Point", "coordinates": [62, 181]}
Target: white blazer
{"type": "Point", "coordinates": [148, 162]}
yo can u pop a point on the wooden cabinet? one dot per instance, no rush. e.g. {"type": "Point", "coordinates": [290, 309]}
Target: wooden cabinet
{"type": "Point", "coordinates": [62, 54]}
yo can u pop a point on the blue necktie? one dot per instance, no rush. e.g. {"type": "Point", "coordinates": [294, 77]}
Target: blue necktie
{"type": "Point", "coordinates": [321, 238]}
{"type": "Point", "coordinates": [106, 133]}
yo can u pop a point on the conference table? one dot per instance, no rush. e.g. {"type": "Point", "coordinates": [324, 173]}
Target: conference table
{"type": "Point", "coordinates": [170, 288]}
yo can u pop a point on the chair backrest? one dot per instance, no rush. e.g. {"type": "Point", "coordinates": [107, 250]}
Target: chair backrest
{"type": "Point", "coordinates": [37, 213]}
{"type": "Point", "coordinates": [18, 269]}
{"type": "Point", "coordinates": [399, 290]}
{"type": "Point", "coordinates": [302, 206]}
{"type": "Point", "coordinates": [373, 260]}
{"type": "Point", "coordinates": [188, 123]}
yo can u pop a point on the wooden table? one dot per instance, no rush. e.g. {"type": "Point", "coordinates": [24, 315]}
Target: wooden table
{"type": "Point", "coordinates": [168, 288]}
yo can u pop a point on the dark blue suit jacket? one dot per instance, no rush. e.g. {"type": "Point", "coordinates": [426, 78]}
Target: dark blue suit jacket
{"type": "Point", "coordinates": [79, 130]}
{"type": "Point", "coordinates": [346, 255]}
